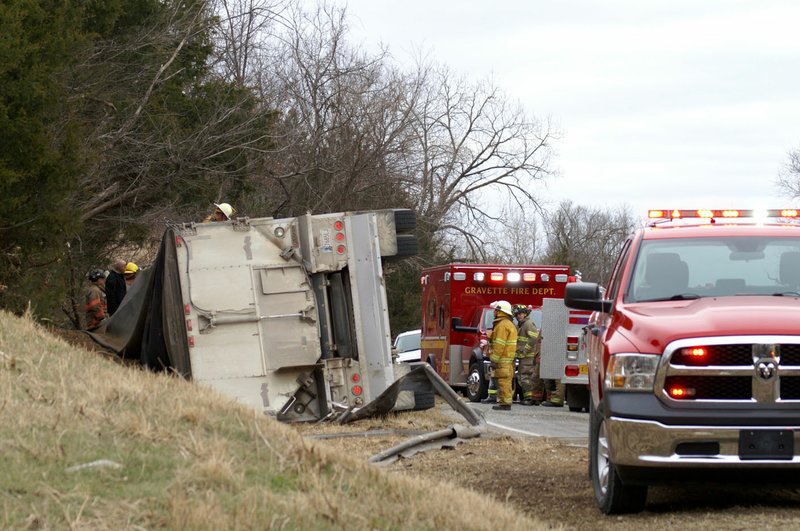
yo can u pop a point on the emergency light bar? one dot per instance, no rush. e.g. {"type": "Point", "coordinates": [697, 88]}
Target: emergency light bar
{"type": "Point", "coordinates": [726, 213]}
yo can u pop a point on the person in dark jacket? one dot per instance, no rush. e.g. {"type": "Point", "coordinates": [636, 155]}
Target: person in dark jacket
{"type": "Point", "coordinates": [115, 286]}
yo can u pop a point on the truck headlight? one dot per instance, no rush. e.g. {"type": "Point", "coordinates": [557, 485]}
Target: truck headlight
{"type": "Point", "coordinates": [631, 372]}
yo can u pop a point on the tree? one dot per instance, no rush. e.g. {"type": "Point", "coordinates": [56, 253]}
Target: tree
{"type": "Point", "coordinates": [587, 239]}
{"type": "Point", "coordinates": [343, 114]}
{"type": "Point", "coordinates": [789, 179]}
{"type": "Point", "coordinates": [474, 149]}
{"type": "Point", "coordinates": [39, 161]}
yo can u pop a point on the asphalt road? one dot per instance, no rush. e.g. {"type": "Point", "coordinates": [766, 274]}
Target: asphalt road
{"type": "Point", "coordinates": [535, 421]}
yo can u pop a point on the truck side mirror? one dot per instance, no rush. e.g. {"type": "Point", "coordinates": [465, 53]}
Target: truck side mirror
{"type": "Point", "coordinates": [586, 296]}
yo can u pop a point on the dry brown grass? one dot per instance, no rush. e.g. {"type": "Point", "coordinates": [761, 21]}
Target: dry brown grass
{"type": "Point", "coordinates": [170, 454]}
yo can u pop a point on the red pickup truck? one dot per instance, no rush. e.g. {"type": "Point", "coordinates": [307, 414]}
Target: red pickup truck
{"type": "Point", "coordinates": [694, 355]}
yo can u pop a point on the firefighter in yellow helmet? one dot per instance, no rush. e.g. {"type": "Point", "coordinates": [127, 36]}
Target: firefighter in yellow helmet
{"type": "Point", "coordinates": [502, 350]}
{"type": "Point", "coordinates": [529, 345]}
{"type": "Point", "coordinates": [131, 270]}
{"type": "Point", "coordinates": [222, 212]}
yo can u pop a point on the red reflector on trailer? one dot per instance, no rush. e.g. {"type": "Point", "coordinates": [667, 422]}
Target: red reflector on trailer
{"type": "Point", "coordinates": [178, 241]}
{"type": "Point", "coordinates": [340, 236]}
{"type": "Point", "coordinates": [572, 371]}
{"type": "Point", "coordinates": [356, 377]}
{"type": "Point", "coordinates": [189, 325]}
{"type": "Point", "coordinates": [357, 390]}
{"type": "Point", "coordinates": [340, 249]}
{"type": "Point", "coordinates": [191, 341]}
{"type": "Point", "coordinates": [339, 225]}
{"type": "Point", "coordinates": [187, 309]}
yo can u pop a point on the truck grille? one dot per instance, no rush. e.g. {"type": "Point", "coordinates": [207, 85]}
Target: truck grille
{"type": "Point", "coordinates": [790, 388]}
{"type": "Point", "coordinates": [747, 370]}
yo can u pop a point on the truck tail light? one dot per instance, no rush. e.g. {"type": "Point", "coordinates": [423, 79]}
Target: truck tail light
{"type": "Point", "coordinates": [355, 378]}
{"type": "Point", "coordinates": [357, 390]}
{"type": "Point", "coordinates": [187, 309]}
{"type": "Point", "coordinates": [571, 371]}
{"type": "Point", "coordinates": [190, 340]}
{"type": "Point", "coordinates": [340, 249]}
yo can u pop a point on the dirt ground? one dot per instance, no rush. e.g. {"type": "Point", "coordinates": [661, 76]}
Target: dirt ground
{"type": "Point", "coordinates": [546, 478]}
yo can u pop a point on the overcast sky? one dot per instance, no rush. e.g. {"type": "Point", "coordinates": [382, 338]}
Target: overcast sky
{"type": "Point", "coordinates": [661, 104]}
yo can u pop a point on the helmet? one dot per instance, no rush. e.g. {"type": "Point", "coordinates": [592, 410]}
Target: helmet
{"type": "Point", "coordinates": [225, 208]}
{"type": "Point", "coordinates": [503, 306]}
{"type": "Point", "coordinates": [96, 274]}
{"type": "Point", "coordinates": [131, 269]}
{"type": "Point", "coordinates": [521, 308]}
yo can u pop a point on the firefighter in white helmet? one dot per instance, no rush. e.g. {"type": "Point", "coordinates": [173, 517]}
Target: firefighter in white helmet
{"type": "Point", "coordinates": [529, 345]}
{"type": "Point", "coordinates": [222, 212]}
{"type": "Point", "coordinates": [502, 350]}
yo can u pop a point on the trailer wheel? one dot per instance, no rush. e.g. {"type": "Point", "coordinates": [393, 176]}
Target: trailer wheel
{"type": "Point", "coordinates": [424, 400]}
{"type": "Point", "coordinates": [407, 245]}
{"type": "Point", "coordinates": [424, 393]}
{"type": "Point", "coordinates": [405, 220]}
{"type": "Point", "coordinates": [612, 495]}
{"type": "Point", "coordinates": [477, 385]}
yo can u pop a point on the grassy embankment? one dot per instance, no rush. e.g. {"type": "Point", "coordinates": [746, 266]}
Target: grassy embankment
{"type": "Point", "coordinates": [87, 443]}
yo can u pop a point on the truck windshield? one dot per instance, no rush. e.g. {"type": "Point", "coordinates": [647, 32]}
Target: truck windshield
{"type": "Point", "coordinates": [690, 268]}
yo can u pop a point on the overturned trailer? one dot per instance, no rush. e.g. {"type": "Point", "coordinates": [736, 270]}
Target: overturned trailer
{"type": "Point", "coordinates": [288, 316]}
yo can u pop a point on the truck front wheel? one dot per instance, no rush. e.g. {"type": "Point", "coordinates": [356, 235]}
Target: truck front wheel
{"type": "Point", "coordinates": [613, 496]}
{"type": "Point", "coordinates": [477, 385]}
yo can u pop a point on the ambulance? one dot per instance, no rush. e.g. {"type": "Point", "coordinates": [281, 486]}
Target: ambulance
{"type": "Point", "coordinates": [457, 319]}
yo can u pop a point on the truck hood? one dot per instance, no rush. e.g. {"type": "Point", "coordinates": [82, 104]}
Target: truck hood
{"type": "Point", "coordinates": [651, 326]}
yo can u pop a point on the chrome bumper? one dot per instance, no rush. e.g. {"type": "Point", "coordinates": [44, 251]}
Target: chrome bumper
{"type": "Point", "coordinates": [643, 443]}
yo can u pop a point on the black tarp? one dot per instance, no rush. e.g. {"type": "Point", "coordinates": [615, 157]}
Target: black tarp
{"type": "Point", "coordinates": [150, 325]}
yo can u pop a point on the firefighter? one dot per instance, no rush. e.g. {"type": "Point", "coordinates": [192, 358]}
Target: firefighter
{"type": "Point", "coordinates": [502, 351]}
{"type": "Point", "coordinates": [131, 270]}
{"type": "Point", "coordinates": [529, 345]}
{"type": "Point", "coordinates": [95, 308]}
{"type": "Point", "coordinates": [492, 390]}
{"type": "Point", "coordinates": [222, 212]}
{"type": "Point", "coordinates": [555, 394]}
